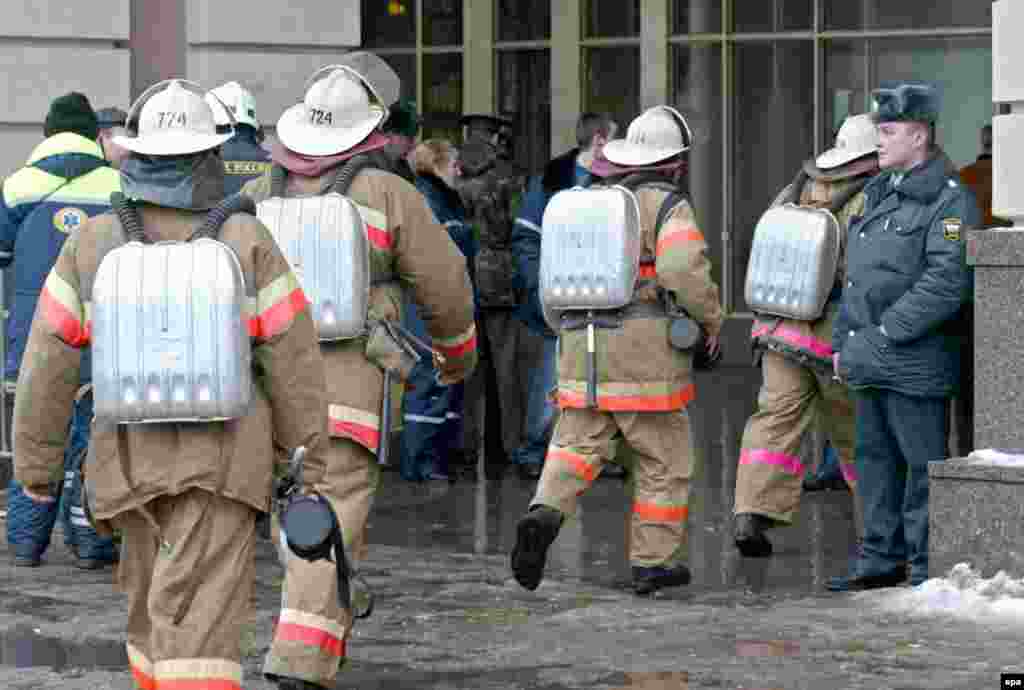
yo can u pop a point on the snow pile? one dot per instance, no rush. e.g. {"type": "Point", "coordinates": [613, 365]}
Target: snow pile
{"type": "Point", "coordinates": [1003, 458]}
{"type": "Point", "coordinates": [962, 594]}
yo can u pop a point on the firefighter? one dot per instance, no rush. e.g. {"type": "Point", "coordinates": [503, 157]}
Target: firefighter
{"type": "Point", "coordinates": [65, 181]}
{"type": "Point", "coordinates": [644, 385]}
{"type": "Point", "coordinates": [796, 358]}
{"type": "Point", "coordinates": [339, 118]}
{"type": "Point", "coordinates": [245, 158]}
{"type": "Point", "coordinates": [184, 496]}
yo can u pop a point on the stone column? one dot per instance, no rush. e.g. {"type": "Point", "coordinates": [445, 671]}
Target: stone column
{"type": "Point", "coordinates": [566, 96]}
{"type": "Point", "coordinates": [976, 511]}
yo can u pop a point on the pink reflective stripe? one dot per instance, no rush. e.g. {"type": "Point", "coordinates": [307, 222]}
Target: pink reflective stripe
{"type": "Point", "coordinates": [849, 473]}
{"type": "Point", "coordinates": [809, 343]}
{"type": "Point", "coordinates": [760, 456]}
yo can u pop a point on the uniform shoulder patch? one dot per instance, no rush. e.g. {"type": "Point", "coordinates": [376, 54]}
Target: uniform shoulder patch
{"type": "Point", "coordinates": [951, 229]}
{"type": "Point", "coordinates": [69, 219]}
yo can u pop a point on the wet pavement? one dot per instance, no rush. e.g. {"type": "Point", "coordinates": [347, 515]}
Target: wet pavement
{"type": "Point", "coordinates": [449, 615]}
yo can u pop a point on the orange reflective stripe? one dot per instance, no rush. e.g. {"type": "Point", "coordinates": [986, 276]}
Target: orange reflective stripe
{"type": "Point", "coordinates": [198, 674]}
{"type": "Point", "coordinates": [652, 512]}
{"type": "Point", "coordinates": [631, 403]}
{"type": "Point", "coordinates": [459, 345]}
{"type": "Point", "coordinates": [648, 271]}
{"type": "Point", "coordinates": [61, 308]}
{"type": "Point", "coordinates": [673, 236]}
{"type": "Point", "coordinates": [578, 462]}
{"type": "Point", "coordinates": [141, 667]}
{"type": "Point", "coordinates": [357, 425]}
{"type": "Point", "coordinates": [276, 306]}
{"type": "Point", "coordinates": [198, 684]}
{"type": "Point", "coordinates": [311, 630]}
{"type": "Point", "coordinates": [376, 227]}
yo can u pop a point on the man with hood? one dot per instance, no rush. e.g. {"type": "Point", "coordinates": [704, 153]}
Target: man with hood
{"type": "Point", "coordinates": [333, 132]}
{"type": "Point", "coordinates": [896, 338]}
{"type": "Point", "coordinates": [796, 358]}
{"type": "Point", "coordinates": [65, 181]}
{"type": "Point", "coordinates": [644, 384]}
{"type": "Point", "coordinates": [185, 496]}
{"type": "Point", "coordinates": [245, 158]}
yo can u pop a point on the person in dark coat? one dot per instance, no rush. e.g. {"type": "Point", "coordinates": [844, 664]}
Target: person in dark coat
{"type": "Point", "coordinates": [245, 158]}
{"type": "Point", "coordinates": [896, 336]}
{"type": "Point", "coordinates": [432, 412]}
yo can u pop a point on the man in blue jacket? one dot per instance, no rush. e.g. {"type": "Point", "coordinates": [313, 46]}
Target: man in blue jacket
{"type": "Point", "coordinates": [593, 130]}
{"type": "Point", "coordinates": [896, 336]}
{"type": "Point", "coordinates": [66, 181]}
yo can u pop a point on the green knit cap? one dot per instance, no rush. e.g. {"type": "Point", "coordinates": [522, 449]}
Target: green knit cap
{"type": "Point", "coordinates": [402, 118]}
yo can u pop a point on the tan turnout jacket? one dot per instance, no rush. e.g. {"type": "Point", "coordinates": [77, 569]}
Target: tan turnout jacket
{"type": "Point", "coordinates": [409, 250]}
{"type": "Point", "coordinates": [637, 369]}
{"type": "Point", "coordinates": [128, 465]}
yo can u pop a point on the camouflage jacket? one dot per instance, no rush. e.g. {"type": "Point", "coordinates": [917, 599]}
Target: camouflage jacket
{"type": "Point", "coordinates": [804, 341]}
{"type": "Point", "coordinates": [129, 465]}
{"type": "Point", "coordinates": [409, 250]}
{"type": "Point", "coordinates": [637, 369]}
{"type": "Point", "coordinates": [492, 190]}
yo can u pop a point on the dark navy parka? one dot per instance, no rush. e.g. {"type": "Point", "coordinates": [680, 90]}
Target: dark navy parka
{"type": "Point", "coordinates": [907, 280]}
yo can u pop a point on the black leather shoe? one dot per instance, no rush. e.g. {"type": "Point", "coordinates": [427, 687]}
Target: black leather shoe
{"type": "Point", "coordinates": [529, 470]}
{"type": "Point", "coordinates": [749, 535]}
{"type": "Point", "coordinates": [534, 534]}
{"type": "Point", "coordinates": [859, 583]}
{"type": "Point", "coordinates": [649, 580]}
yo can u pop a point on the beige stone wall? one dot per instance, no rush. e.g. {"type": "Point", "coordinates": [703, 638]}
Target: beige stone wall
{"type": "Point", "coordinates": [271, 57]}
{"type": "Point", "coordinates": [48, 48]}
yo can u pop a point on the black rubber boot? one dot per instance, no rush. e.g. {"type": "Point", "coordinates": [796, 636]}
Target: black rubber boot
{"type": "Point", "coordinates": [534, 534]}
{"type": "Point", "coordinates": [649, 580]}
{"type": "Point", "coordinates": [750, 537]}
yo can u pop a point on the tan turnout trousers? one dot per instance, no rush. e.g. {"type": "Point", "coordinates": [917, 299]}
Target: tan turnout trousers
{"type": "Point", "coordinates": [311, 634]}
{"type": "Point", "coordinates": [187, 567]}
{"type": "Point", "coordinates": [770, 474]}
{"type": "Point", "coordinates": [662, 444]}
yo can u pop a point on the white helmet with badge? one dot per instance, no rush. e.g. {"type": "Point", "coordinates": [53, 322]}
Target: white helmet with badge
{"type": "Point", "coordinates": [173, 118]}
{"type": "Point", "coordinates": [237, 100]}
{"type": "Point", "coordinates": [343, 105]}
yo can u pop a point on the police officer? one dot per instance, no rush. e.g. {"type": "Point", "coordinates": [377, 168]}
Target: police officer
{"type": "Point", "coordinates": [320, 139]}
{"type": "Point", "coordinates": [184, 496]}
{"type": "Point", "coordinates": [644, 385]}
{"type": "Point", "coordinates": [65, 181]}
{"type": "Point", "coordinates": [895, 336]}
{"type": "Point", "coordinates": [244, 157]}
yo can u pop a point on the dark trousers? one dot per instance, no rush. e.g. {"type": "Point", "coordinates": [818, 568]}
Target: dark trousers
{"type": "Point", "coordinates": [897, 436]}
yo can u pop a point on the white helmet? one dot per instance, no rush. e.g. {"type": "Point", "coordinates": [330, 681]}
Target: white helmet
{"type": "Point", "coordinates": [657, 134]}
{"type": "Point", "coordinates": [238, 100]}
{"type": "Point", "coordinates": [173, 118]}
{"type": "Point", "coordinates": [857, 137]}
{"type": "Point", "coordinates": [336, 114]}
